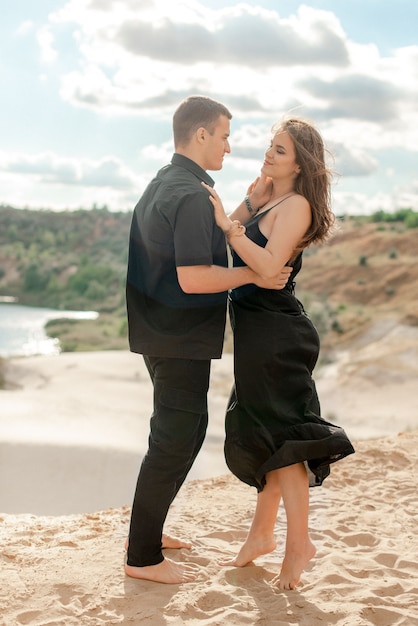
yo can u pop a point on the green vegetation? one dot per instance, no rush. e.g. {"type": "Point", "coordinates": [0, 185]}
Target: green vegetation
{"type": "Point", "coordinates": [77, 260]}
{"type": "Point", "coordinates": [73, 260]}
{"type": "Point", "coordinates": [108, 332]}
{"type": "Point", "coordinates": [407, 216]}
{"type": "Point", "coordinates": [2, 378]}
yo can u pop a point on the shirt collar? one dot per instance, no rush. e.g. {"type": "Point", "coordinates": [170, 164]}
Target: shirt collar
{"type": "Point", "coordinates": [193, 167]}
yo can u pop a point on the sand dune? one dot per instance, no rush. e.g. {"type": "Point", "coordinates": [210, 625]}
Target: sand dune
{"type": "Point", "coordinates": [74, 429]}
{"type": "Point", "coordinates": [69, 570]}
{"type": "Point", "coordinates": [81, 420]}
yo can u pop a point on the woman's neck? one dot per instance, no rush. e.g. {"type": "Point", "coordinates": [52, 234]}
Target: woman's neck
{"type": "Point", "coordinates": [277, 194]}
{"type": "Point", "coordinates": [281, 190]}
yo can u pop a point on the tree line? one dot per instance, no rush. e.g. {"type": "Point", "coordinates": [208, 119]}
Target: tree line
{"type": "Point", "coordinates": [64, 260]}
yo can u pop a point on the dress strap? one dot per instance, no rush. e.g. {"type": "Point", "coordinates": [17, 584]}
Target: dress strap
{"type": "Point", "coordinates": [277, 203]}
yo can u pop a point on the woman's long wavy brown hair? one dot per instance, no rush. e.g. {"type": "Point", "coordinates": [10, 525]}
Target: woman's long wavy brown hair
{"type": "Point", "coordinates": [314, 179]}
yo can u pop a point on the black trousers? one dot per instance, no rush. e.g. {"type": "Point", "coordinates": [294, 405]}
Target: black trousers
{"type": "Point", "coordinates": [177, 430]}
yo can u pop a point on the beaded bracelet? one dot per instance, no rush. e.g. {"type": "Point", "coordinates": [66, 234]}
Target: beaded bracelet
{"type": "Point", "coordinates": [249, 206]}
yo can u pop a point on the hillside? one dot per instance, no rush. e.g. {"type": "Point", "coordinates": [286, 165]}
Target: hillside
{"type": "Point", "coordinates": [368, 271]}
{"type": "Point", "coordinates": [365, 273]}
{"type": "Point", "coordinates": [72, 260]}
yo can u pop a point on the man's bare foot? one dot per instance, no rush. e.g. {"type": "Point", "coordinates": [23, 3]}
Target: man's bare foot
{"type": "Point", "coordinates": [294, 563]}
{"type": "Point", "coordinates": [169, 542]}
{"type": "Point", "coordinates": [252, 548]}
{"type": "Point", "coordinates": [174, 543]}
{"type": "Point", "coordinates": [168, 572]}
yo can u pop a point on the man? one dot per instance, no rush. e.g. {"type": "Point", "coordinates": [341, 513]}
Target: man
{"type": "Point", "coordinates": [177, 284]}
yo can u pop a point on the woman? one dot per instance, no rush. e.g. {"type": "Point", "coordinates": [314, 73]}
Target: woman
{"type": "Point", "coordinates": [276, 440]}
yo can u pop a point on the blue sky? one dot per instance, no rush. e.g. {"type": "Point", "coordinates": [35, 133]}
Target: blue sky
{"type": "Point", "coordinates": [89, 88]}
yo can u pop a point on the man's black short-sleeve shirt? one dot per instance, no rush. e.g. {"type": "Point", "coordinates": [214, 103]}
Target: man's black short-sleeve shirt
{"type": "Point", "coordinates": [173, 225]}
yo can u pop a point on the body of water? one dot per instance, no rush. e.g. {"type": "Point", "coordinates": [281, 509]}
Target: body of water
{"type": "Point", "coordinates": [22, 329]}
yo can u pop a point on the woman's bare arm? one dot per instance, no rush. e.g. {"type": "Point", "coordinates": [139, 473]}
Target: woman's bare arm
{"type": "Point", "coordinates": [286, 226]}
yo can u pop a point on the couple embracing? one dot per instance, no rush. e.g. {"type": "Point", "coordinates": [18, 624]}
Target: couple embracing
{"type": "Point", "coordinates": [178, 288]}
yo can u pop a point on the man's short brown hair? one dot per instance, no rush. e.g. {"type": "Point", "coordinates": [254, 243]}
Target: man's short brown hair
{"type": "Point", "coordinates": [195, 112]}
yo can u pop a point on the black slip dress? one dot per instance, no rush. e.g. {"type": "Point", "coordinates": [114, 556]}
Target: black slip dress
{"type": "Point", "coordinates": [273, 416]}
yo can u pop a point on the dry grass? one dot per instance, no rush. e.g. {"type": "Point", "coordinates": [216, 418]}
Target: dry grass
{"type": "Point", "coordinates": [365, 273]}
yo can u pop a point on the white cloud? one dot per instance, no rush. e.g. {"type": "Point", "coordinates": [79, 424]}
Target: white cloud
{"type": "Point", "coordinates": [258, 63]}
{"type": "Point", "coordinates": [131, 58]}
{"type": "Point", "coordinates": [24, 28]}
{"type": "Point", "coordinates": [144, 48]}
{"type": "Point", "coordinates": [353, 161]}
{"type": "Point", "coordinates": [45, 40]}
{"type": "Point", "coordinates": [159, 154]}
{"type": "Point", "coordinates": [50, 169]}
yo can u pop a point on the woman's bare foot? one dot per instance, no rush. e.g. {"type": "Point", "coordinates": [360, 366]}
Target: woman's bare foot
{"type": "Point", "coordinates": [168, 572]}
{"type": "Point", "coordinates": [252, 548]}
{"type": "Point", "coordinates": [294, 563]}
{"type": "Point", "coordinates": [169, 542]}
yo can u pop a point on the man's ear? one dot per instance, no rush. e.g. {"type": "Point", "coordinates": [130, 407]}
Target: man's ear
{"type": "Point", "coordinates": [201, 134]}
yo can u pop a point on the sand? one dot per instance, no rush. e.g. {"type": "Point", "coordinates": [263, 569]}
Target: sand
{"type": "Point", "coordinates": [74, 429]}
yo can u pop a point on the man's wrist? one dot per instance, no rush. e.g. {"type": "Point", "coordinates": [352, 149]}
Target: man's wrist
{"type": "Point", "coordinates": [250, 275]}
